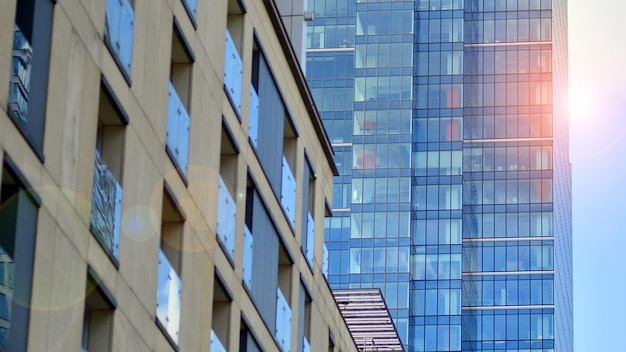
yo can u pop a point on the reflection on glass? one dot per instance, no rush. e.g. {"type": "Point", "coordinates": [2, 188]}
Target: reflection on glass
{"type": "Point", "coordinates": [168, 297]}
{"type": "Point", "coordinates": [306, 347]}
{"type": "Point", "coordinates": [106, 206]}
{"type": "Point", "coordinates": [233, 71]}
{"type": "Point", "coordinates": [177, 130]}
{"type": "Point", "coordinates": [216, 344]}
{"type": "Point", "coordinates": [19, 88]}
{"type": "Point", "coordinates": [310, 238]}
{"type": "Point", "coordinates": [283, 321]}
{"type": "Point", "coordinates": [247, 257]}
{"type": "Point", "coordinates": [7, 269]}
{"type": "Point", "coordinates": [253, 127]}
{"type": "Point", "coordinates": [226, 218]}
{"type": "Point", "coordinates": [288, 192]}
{"type": "Point", "coordinates": [325, 261]}
{"type": "Point", "coordinates": [118, 31]}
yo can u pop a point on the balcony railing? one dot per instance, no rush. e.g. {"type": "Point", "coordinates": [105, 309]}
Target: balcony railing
{"type": "Point", "coordinates": [288, 193]}
{"type": "Point", "coordinates": [168, 297]}
{"type": "Point", "coordinates": [233, 73]}
{"type": "Point", "coordinates": [216, 344]}
{"type": "Point", "coordinates": [325, 261]}
{"type": "Point", "coordinates": [118, 31]}
{"type": "Point", "coordinates": [310, 239]}
{"type": "Point", "coordinates": [306, 347]}
{"type": "Point", "coordinates": [177, 130]}
{"type": "Point", "coordinates": [226, 219]}
{"type": "Point", "coordinates": [253, 128]}
{"type": "Point", "coordinates": [106, 207]}
{"type": "Point", "coordinates": [19, 88]}
{"type": "Point", "coordinates": [283, 322]}
{"type": "Point", "coordinates": [247, 257]}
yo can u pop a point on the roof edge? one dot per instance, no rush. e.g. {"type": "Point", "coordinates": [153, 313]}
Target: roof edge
{"type": "Point", "coordinates": [303, 87]}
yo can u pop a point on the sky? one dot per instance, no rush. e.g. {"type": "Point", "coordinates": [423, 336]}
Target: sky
{"type": "Point", "coordinates": [597, 73]}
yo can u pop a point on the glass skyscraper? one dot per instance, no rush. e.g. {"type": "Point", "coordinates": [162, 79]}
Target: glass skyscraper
{"type": "Point", "coordinates": [449, 123]}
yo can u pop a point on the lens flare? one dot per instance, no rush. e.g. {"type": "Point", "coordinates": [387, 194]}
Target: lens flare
{"type": "Point", "coordinates": [140, 223]}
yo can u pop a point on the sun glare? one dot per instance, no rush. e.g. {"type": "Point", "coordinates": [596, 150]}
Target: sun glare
{"type": "Point", "coordinates": [581, 102]}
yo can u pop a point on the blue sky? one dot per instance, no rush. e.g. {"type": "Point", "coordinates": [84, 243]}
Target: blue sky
{"type": "Point", "coordinates": [598, 154]}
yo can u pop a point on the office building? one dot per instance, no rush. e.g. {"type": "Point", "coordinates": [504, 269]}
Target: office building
{"type": "Point", "coordinates": [449, 123]}
{"type": "Point", "coordinates": [165, 179]}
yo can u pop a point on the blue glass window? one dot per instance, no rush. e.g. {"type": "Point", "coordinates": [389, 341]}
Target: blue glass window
{"type": "Point", "coordinates": [178, 122]}
{"type": "Point", "coordinates": [226, 219]}
{"type": "Point", "coordinates": [247, 257]}
{"type": "Point", "coordinates": [233, 73]}
{"type": "Point", "coordinates": [253, 127]}
{"type": "Point", "coordinates": [118, 32]}
{"type": "Point", "coordinates": [169, 287]}
{"type": "Point", "coordinates": [310, 239]}
{"type": "Point", "coordinates": [283, 321]}
{"type": "Point", "coordinates": [288, 192]}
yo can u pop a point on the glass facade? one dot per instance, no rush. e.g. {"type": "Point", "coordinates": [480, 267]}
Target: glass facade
{"type": "Point", "coordinates": [360, 69]}
{"type": "Point", "coordinates": [449, 125]}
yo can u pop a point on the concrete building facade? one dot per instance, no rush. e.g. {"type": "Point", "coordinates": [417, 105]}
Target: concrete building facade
{"type": "Point", "coordinates": [165, 179]}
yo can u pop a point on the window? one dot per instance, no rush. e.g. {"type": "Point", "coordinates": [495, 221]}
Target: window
{"type": "Point", "coordinates": [227, 206]}
{"type": "Point", "coordinates": [331, 343]}
{"type": "Point", "coordinates": [106, 198]}
{"type": "Point", "coordinates": [288, 179]}
{"type": "Point", "coordinates": [276, 136]}
{"type": "Point", "coordinates": [304, 324]}
{"type": "Point", "coordinates": [247, 342]}
{"type": "Point", "coordinates": [29, 74]}
{"type": "Point", "coordinates": [270, 268]}
{"type": "Point", "coordinates": [270, 133]}
{"type": "Point", "coordinates": [220, 320]}
{"type": "Point", "coordinates": [190, 7]}
{"type": "Point", "coordinates": [179, 100]}
{"type": "Point", "coordinates": [169, 284]}
{"type": "Point", "coordinates": [285, 265]}
{"type": "Point", "coordinates": [325, 253]}
{"type": "Point", "coordinates": [98, 316]}
{"type": "Point", "coordinates": [119, 25]}
{"type": "Point", "coordinates": [18, 226]}
{"type": "Point", "coordinates": [181, 64]}
{"type": "Point", "coordinates": [308, 212]}
{"type": "Point", "coordinates": [283, 298]}
{"type": "Point", "coordinates": [233, 65]}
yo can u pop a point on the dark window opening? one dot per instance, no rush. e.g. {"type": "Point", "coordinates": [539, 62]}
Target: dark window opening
{"type": "Point", "coordinates": [97, 317]}
{"type": "Point", "coordinates": [29, 74]}
{"type": "Point", "coordinates": [220, 319]}
{"type": "Point", "coordinates": [169, 282]}
{"type": "Point", "coordinates": [106, 199]}
{"type": "Point", "coordinates": [18, 226]}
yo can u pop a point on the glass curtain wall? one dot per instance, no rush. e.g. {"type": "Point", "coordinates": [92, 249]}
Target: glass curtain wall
{"type": "Point", "coordinates": [508, 240]}
{"type": "Point", "coordinates": [360, 70]}
{"type": "Point", "coordinates": [437, 180]}
{"type": "Point", "coordinates": [452, 149]}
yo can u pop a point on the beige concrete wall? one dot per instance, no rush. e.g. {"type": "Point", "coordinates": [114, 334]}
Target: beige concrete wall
{"type": "Point", "coordinates": [65, 245]}
{"type": "Point", "coordinates": [292, 13]}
